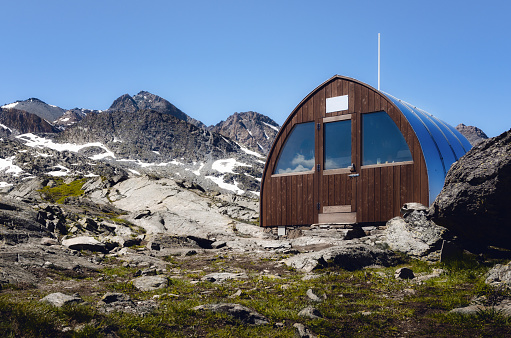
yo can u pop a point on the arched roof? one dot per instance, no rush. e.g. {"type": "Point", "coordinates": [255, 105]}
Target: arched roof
{"type": "Point", "coordinates": [441, 144]}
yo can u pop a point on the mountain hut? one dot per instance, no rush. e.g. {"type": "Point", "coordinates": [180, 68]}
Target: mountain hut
{"type": "Point", "coordinates": [349, 153]}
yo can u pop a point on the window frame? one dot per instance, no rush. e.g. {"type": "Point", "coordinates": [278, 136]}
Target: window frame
{"type": "Point", "coordinates": [330, 119]}
{"type": "Point", "coordinates": [368, 166]}
{"type": "Point", "coordinates": [306, 172]}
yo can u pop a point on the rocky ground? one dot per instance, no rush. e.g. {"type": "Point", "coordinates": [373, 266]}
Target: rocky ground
{"type": "Point", "coordinates": [123, 255]}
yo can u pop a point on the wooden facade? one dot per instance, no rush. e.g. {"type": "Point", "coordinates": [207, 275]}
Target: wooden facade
{"type": "Point", "coordinates": [364, 194]}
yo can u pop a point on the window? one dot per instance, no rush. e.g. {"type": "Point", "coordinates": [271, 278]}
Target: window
{"type": "Point", "coordinates": [337, 140]}
{"type": "Point", "coordinates": [382, 141]}
{"type": "Point", "coordinates": [297, 155]}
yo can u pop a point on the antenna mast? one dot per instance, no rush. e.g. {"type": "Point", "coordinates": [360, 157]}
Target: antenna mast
{"type": "Point", "coordinates": [378, 61]}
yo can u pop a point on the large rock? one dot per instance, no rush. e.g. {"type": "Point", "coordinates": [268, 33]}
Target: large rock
{"type": "Point", "coordinates": [59, 299]}
{"type": "Point", "coordinates": [243, 313]}
{"type": "Point", "coordinates": [84, 243]}
{"type": "Point", "coordinates": [414, 234]}
{"type": "Point", "coordinates": [348, 256]}
{"type": "Point", "coordinates": [220, 277]}
{"type": "Point", "coordinates": [500, 275]}
{"type": "Point", "coordinates": [475, 201]}
{"type": "Point", "coordinates": [150, 283]}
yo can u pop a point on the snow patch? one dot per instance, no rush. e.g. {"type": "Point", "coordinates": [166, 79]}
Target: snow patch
{"type": "Point", "coordinates": [227, 166]}
{"type": "Point", "coordinates": [134, 172]}
{"type": "Point", "coordinates": [156, 152]}
{"type": "Point", "coordinates": [9, 168]}
{"type": "Point", "coordinates": [5, 185]}
{"type": "Point", "coordinates": [5, 127]}
{"type": "Point", "coordinates": [62, 172]}
{"type": "Point", "coordinates": [250, 152]}
{"type": "Point", "coordinates": [35, 141]}
{"type": "Point", "coordinates": [226, 186]}
{"type": "Point", "coordinates": [197, 172]}
{"type": "Point", "coordinates": [10, 105]}
{"type": "Point", "coordinates": [271, 126]}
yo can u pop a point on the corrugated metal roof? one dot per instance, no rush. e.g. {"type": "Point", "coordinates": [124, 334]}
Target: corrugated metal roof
{"type": "Point", "coordinates": [441, 144]}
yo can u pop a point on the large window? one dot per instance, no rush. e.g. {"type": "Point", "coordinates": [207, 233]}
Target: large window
{"type": "Point", "coordinates": [337, 144]}
{"type": "Point", "coordinates": [297, 155]}
{"type": "Point", "coordinates": [382, 141]}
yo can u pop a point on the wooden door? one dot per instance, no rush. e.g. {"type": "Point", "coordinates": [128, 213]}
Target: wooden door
{"type": "Point", "coordinates": [337, 169]}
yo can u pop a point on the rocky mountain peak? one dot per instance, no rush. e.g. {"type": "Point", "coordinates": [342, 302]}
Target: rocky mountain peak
{"type": "Point", "coordinates": [38, 107]}
{"type": "Point", "coordinates": [473, 134]}
{"type": "Point", "coordinates": [124, 103]}
{"type": "Point", "coordinates": [251, 129]}
{"type": "Point", "coordinates": [145, 100]}
{"type": "Point", "coordinates": [14, 121]}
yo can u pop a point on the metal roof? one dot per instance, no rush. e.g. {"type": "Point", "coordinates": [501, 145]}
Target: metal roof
{"type": "Point", "coordinates": [441, 144]}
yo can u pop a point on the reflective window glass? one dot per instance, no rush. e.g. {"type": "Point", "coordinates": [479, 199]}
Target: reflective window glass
{"type": "Point", "coordinates": [337, 144]}
{"type": "Point", "coordinates": [382, 141]}
{"type": "Point", "coordinates": [297, 155]}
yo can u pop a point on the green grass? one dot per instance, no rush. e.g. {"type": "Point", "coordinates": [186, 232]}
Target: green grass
{"type": "Point", "coordinates": [364, 303]}
{"type": "Point", "coordinates": [61, 191]}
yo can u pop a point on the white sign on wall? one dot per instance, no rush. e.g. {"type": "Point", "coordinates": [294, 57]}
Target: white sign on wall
{"type": "Point", "coordinates": [337, 103]}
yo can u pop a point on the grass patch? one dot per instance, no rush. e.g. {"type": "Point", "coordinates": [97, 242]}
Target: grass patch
{"type": "Point", "coordinates": [61, 191]}
{"type": "Point", "coordinates": [364, 303]}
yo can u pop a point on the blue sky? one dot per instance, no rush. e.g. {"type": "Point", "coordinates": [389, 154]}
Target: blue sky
{"type": "Point", "coordinates": [214, 58]}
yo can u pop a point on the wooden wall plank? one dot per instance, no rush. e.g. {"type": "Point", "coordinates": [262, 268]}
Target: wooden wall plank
{"type": "Point", "coordinates": [370, 195]}
{"type": "Point", "coordinates": [377, 193]}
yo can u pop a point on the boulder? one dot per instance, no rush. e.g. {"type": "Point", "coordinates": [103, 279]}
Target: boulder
{"type": "Point", "coordinates": [404, 273]}
{"type": "Point", "coordinates": [243, 313]}
{"type": "Point", "coordinates": [310, 312]}
{"type": "Point", "coordinates": [499, 275]}
{"type": "Point", "coordinates": [349, 256]}
{"type": "Point", "coordinates": [220, 277]}
{"type": "Point", "coordinates": [59, 299]}
{"type": "Point", "coordinates": [414, 234]}
{"type": "Point", "coordinates": [302, 332]}
{"type": "Point", "coordinates": [314, 296]}
{"type": "Point", "coordinates": [120, 302]}
{"type": "Point", "coordinates": [84, 243]}
{"type": "Point", "coordinates": [475, 201]}
{"type": "Point", "coordinates": [503, 308]}
{"type": "Point", "coordinates": [149, 283]}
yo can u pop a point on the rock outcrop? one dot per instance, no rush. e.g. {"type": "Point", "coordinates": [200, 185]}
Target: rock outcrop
{"type": "Point", "coordinates": [414, 234]}
{"type": "Point", "coordinates": [251, 129]}
{"type": "Point", "coordinates": [475, 201]}
{"type": "Point", "coordinates": [473, 134]}
{"type": "Point", "coordinates": [351, 256]}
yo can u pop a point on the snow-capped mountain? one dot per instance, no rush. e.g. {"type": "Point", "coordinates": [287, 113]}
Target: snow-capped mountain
{"type": "Point", "coordinates": [253, 130]}
{"type": "Point", "coordinates": [139, 135]}
{"type": "Point", "coordinates": [35, 106]}
{"type": "Point", "coordinates": [156, 143]}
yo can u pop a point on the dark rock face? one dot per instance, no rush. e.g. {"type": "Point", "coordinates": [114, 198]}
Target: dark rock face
{"type": "Point", "coordinates": [475, 201]}
{"type": "Point", "coordinates": [21, 122]}
{"type": "Point", "coordinates": [250, 129]}
{"type": "Point", "coordinates": [71, 117]}
{"type": "Point", "coordinates": [138, 135]}
{"type": "Point", "coordinates": [147, 101]}
{"type": "Point", "coordinates": [35, 106]}
{"type": "Point", "coordinates": [473, 134]}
